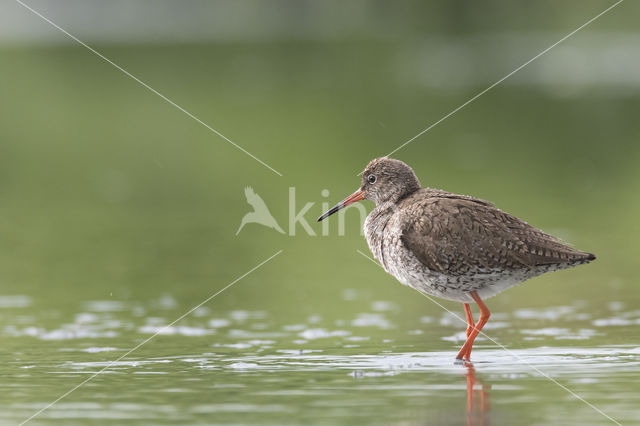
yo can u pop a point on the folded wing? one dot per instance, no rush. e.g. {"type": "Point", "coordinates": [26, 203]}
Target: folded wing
{"type": "Point", "coordinates": [460, 235]}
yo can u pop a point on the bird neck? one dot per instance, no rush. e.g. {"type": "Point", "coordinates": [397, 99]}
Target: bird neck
{"type": "Point", "coordinates": [382, 212]}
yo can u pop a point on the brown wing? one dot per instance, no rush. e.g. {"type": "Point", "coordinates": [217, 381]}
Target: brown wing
{"type": "Point", "coordinates": [459, 234]}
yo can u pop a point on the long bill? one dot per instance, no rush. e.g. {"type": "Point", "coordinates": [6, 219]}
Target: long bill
{"type": "Point", "coordinates": [356, 196]}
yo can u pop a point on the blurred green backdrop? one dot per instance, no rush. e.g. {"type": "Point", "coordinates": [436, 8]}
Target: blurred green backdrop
{"type": "Point", "coordinates": [107, 192]}
{"type": "Point", "coordinates": [107, 189]}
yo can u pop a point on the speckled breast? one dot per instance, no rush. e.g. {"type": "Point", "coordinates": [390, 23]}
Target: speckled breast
{"type": "Point", "coordinates": [383, 233]}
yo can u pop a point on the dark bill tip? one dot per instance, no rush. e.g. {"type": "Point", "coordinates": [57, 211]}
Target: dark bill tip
{"type": "Point", "coordinates": [356, 196]}
{"type": "Point", "coordinates": [330, 212]}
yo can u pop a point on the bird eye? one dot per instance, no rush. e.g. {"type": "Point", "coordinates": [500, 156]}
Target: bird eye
{"type": "Point", "coordinates": [371, 179]}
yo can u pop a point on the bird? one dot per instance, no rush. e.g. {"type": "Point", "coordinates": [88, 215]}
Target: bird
{"type": "Point", "coordinates": [260, 213]}
{"type": "Point", "coordinates": [451, 246]}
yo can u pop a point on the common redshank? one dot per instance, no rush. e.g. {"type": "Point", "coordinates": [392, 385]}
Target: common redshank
{"type": "Point", "coordinates": [451, 246]}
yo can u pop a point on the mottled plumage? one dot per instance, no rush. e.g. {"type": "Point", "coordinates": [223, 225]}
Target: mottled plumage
{"type": "Point", "coordinates": [447, 245]}
{"type": "Point", "coordinates": [452, 246]}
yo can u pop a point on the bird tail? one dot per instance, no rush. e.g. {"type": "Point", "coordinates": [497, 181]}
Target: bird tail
{"type": "Point", "coordinates": [241, 225]}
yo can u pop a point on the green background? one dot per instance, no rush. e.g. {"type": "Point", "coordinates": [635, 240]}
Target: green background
{"type": "Point", "coordinates": [110, 194]}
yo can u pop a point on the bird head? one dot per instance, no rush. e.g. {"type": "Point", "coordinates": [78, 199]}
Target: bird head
{"type": "Point", "coordinates": [383, 180]}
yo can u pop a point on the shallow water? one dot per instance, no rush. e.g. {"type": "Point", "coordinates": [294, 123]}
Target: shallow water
{"type": "Point", "coordinates": [243, 366]}
{"type": "Point", "coordinates": [118, 214]}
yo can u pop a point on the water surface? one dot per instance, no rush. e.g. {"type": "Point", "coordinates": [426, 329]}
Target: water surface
{"type": "Point", "coordinates": [241, 366]}
{"type": "Point", "coordinates": [118, 214]}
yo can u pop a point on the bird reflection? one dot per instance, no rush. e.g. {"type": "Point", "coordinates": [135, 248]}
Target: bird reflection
{"type": "Point", "coordinates": [477, 399]}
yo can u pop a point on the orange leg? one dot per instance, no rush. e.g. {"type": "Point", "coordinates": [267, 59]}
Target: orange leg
{"type": "Point", "coordinates": [470, 326]}
{"type": "Point", "coordinates": [465, 351]}
{"type": "Point", "coordinates": [470, 323]}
